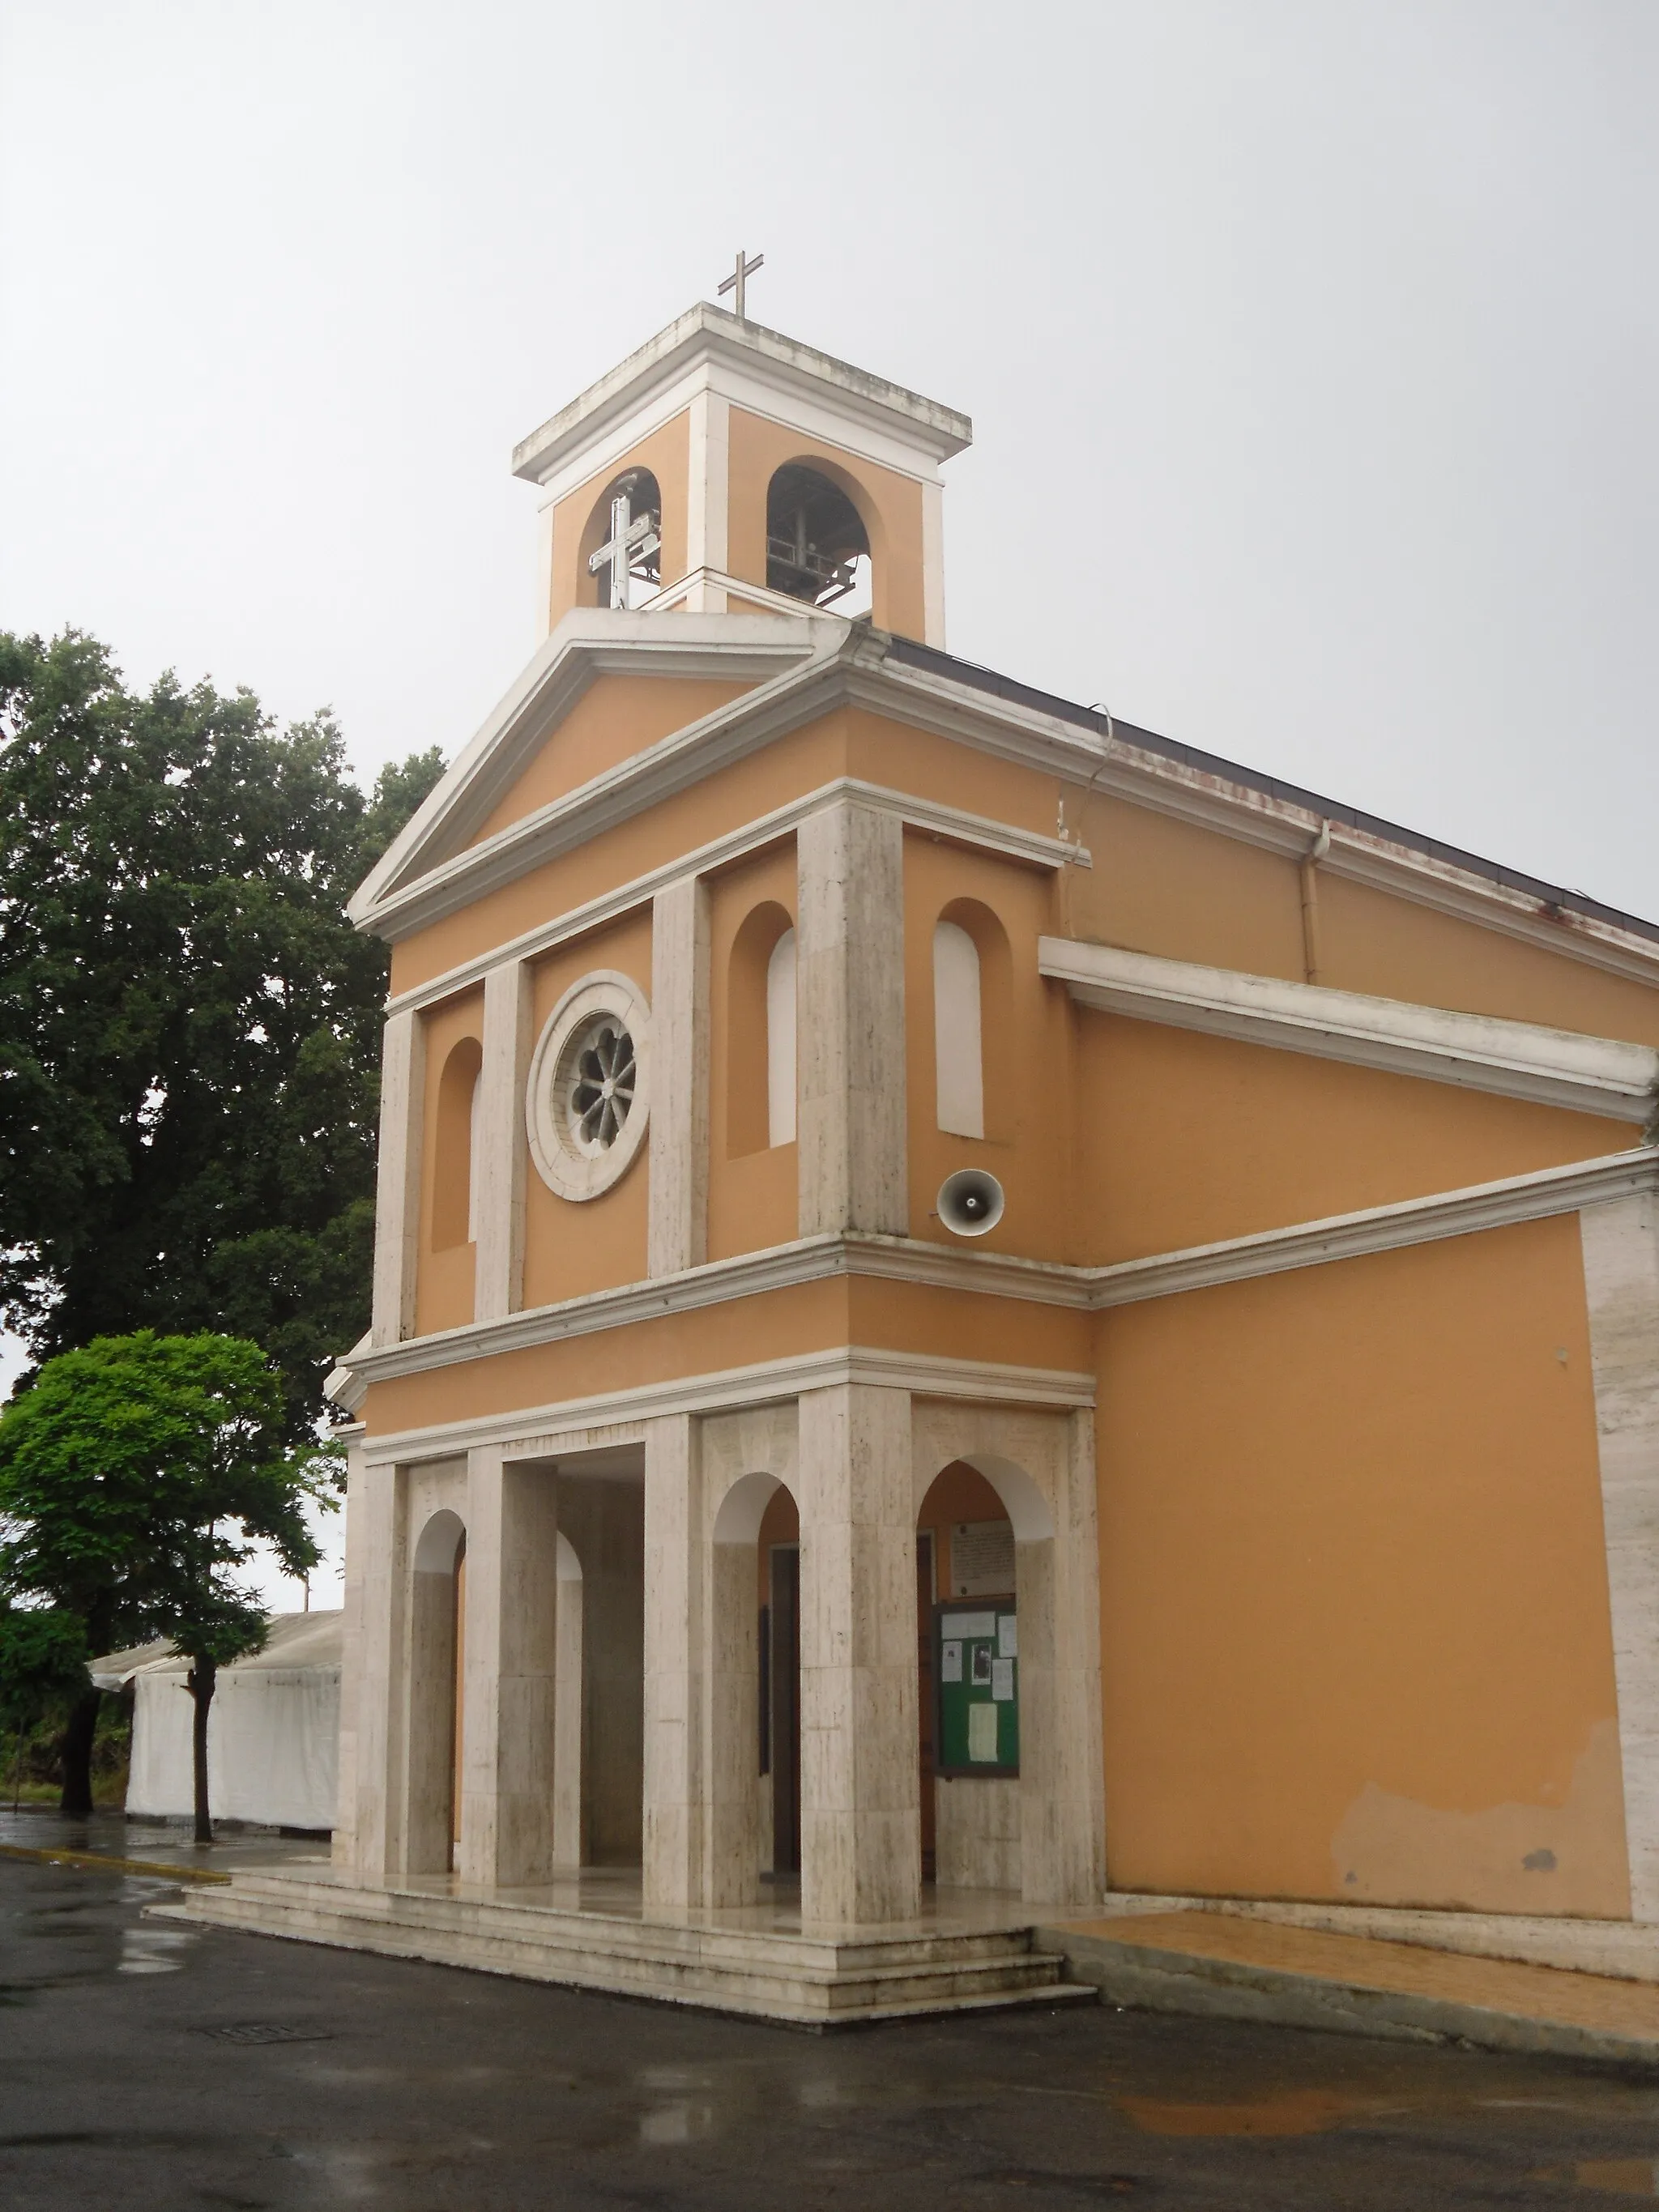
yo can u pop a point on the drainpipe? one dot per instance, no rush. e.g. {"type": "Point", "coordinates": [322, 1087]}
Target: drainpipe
{"type": "Point", "coordinates": [1311, 858]}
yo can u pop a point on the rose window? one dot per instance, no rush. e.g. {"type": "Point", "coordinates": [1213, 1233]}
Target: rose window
{"type": "Point", "coordinates": [600, 1077]}
{"type": "Point", "coordinates": [588, 1100]}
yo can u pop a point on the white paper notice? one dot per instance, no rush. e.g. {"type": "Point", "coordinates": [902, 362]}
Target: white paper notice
{"type": "Point", "coordinates": [950, 1662]}
{"type": "Point", "coordinates": [1002, 1681]}
{"type": "Point", "coordinates": [1007, 1635]}
{"type": "Point", "coordinates": [973, 1624]}
{"type": "Point", "coordinates": [982, 1733]}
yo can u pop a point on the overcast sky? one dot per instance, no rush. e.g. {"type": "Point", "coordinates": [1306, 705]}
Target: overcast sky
{"type": "Point", "coordinates": [1310, 346]}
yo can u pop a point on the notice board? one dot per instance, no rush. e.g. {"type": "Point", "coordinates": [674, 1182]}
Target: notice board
{"type": "Point", "coordinates": [976, 1686]}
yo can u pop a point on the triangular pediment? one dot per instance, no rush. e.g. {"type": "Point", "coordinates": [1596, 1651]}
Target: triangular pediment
{"type": "Point", "coordinates": [605, 687]}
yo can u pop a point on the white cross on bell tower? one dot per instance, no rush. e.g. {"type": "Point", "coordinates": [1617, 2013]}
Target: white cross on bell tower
{"type": "Point", "coordinates": [633, 540]}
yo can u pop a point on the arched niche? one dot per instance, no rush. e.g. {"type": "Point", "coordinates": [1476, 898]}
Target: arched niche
{"type": "Point", "coordinates": [818, 547]}
{"type": "Point", "coordinates": [640, 489]}
{"type": "Point", "coordinates": [454, 1169]}
{"type": "Point", "coordinates": [974, 1043]}
{"type": "Point", "coordinates": [760, 1043]}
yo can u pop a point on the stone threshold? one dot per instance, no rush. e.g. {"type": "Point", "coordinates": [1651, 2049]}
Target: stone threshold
{"type": "Point", "coordinates": [1231, 1966]}
{"type": "Point", "coordinates": [758, 1961]}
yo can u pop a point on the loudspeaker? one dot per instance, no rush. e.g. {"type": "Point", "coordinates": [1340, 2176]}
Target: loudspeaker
{"type": "Point", "coordinates": [969, 1202]}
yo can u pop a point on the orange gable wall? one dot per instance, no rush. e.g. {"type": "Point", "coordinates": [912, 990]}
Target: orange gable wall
{"type": "Point", "coordinates": [1353, 1595]}
{"type": "Point", "coordinates": [569, 1247]}
{"type": "Point", "coordinates": [615, 718]}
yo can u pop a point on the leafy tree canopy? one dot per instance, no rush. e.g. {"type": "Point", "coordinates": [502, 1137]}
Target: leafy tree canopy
{"type": "Point", "coordinates": [189, 1025]}
{"type": "Point", "coordinates": [134, 1472]}
{"type": "Point", "coordinates": [43, 1656]}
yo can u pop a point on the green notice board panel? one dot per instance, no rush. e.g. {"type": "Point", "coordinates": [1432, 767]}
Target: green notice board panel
{"type": "Point", "coordinates": [976, 1684]}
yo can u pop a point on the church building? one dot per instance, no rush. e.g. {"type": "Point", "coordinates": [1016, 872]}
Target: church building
{"type": "Point", "coordinates": [974, 1311]}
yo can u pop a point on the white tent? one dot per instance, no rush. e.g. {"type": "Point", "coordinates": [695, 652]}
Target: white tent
{"type": "Point", "coordinates": [273, 1727]}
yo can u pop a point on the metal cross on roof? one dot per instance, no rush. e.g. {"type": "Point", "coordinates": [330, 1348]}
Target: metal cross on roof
{"type": "Point", "coordinates": [739, 278]}
{"type": "Point", "coordinates": [632, 542]}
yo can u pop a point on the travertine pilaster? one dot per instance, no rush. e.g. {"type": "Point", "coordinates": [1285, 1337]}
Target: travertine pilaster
{"type": "Point", "coordinates": [507, 1765]}
{"type": "Point", "coordinates": [498, 1180]}
{"type": "Point", "coordinates": [343, 1848]}
{"type": "Point", "coordinates": [674, 1579]}
{"type": "Point", "coordinates": [382, 1692]}
{"type": "Point", "coordinates": [1621, 1285]}
{"type": "Point", "coordinates": [861, 1821]}
{"type": "Point", "coordinates": [678, 1197]}
{"type": "Point", "coordinates": [398, 1181]}
{"type": "Point", "coordinates": [850, 939]}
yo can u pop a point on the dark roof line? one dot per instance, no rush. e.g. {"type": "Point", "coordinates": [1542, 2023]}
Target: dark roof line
{"type": "Point", "coordinates": [976, 679]}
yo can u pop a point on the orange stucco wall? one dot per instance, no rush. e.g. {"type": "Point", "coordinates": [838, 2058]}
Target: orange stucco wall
{"type": "Point", "coordinates": [1355, 1641]}
{"type": "Point", "coordinates": [1183, 1138]}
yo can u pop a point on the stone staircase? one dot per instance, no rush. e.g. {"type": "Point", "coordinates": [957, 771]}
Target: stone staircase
{"type": "Point", "coordinates": [808, 1979]}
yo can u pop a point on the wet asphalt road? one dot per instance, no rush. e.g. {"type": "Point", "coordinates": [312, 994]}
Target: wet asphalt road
{"type": "Point", "coordinates": [419, 2088]}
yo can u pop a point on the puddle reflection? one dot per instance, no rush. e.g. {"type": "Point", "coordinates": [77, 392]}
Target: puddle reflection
{"type": "Point", "coordinates": [1617, 2177]}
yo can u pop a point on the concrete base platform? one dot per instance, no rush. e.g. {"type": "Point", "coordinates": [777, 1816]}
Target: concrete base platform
{"type": "Point", "coordinates": [1235, 1968]}
{"type": "Point", "coordinates": [972, 1951]}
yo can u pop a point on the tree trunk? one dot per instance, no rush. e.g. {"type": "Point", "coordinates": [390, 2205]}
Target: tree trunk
{"type": "Point", "coordinates": [78, 1732]}
{"type": "Point", "coordinates": [203, 1674]}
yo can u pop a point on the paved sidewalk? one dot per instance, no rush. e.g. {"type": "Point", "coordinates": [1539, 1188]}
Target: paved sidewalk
{"type": "Point", "coordinates": [109, 1839]}
{"type": "Point", "coordinates": [1212, 1963]}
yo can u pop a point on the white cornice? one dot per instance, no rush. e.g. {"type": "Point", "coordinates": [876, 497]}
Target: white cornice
{"type": "Point", "coordinates": [1476, 1051]}
{"type": "Point", "coordinates": [537, 1429]}
{"type": "Point", "coordinates": [990, 1274]}
{"type": "Point", "coordinates": [831, 663]}
{"type": "Point", "coordinates": [947, 822]}
{"type": "Point", "coordinates": [706, 336]}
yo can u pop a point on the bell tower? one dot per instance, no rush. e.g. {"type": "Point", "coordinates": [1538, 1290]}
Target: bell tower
{"type": "Point", "coordinates": [725, 468]}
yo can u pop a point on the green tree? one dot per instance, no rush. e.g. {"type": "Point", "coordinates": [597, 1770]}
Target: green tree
{"type": "Point", "coordinates": [43, 1661]}
{"type": "Point", "coordinates": [135, 1474]}
{"type": "Point", "coordinates": [189, 1025]}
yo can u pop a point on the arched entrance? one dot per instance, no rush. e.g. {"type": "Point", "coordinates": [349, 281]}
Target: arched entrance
{"type": "Point", "coordinates": [754, 1781]}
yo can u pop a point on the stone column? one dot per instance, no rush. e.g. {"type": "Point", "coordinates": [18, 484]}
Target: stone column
{"type": "Point", "coordinates": [397, 1183]}
{"type": "Point", "coordinates": [860, 1818]}
{"type": "Point", "coordinates": [1621, 1285]}
{"type": "Point", "coordinates": [676, 1234]}
{"type": "Point", "coordinates": [671, 1843]}
{"type": "Point", "coordinates": [707, 501]}
{"type": "Point", "coordinates": [850, 986]}
{"type": "Point", "coordinates": [569, 1827]}
{"type": "Point", "coordinates": [508, 1014]}
{"type": "Point", "coordinates": [731, 1853]}
{"type": "Point", "coordinates": [342, 1846]}
{"type": "Point", "coordinates": [1062, 1808]}
{"type": "Point", "coordinates": [511, 1659]}
{"type": "Point", "coordinates": [380, 1531]}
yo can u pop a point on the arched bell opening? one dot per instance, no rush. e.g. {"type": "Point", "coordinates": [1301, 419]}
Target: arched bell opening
{"type": "Point", "coordinates": [621, 552]}
{"type": "Point", "coordinates": [437, 1617]}
{"type": "Point", "coordinates": [818, 547]}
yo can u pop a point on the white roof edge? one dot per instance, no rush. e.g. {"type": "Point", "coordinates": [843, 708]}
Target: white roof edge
{"type": "Point", "coordinates": [1571, 1068]}
{"type": "Point", "coordinates": [710, 329]}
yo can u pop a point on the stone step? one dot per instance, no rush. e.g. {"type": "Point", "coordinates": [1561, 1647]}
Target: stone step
{"type": "Point", "coordinates": [694, 1937]}
{"type": "Point", "coordinates": [768, 1976]}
